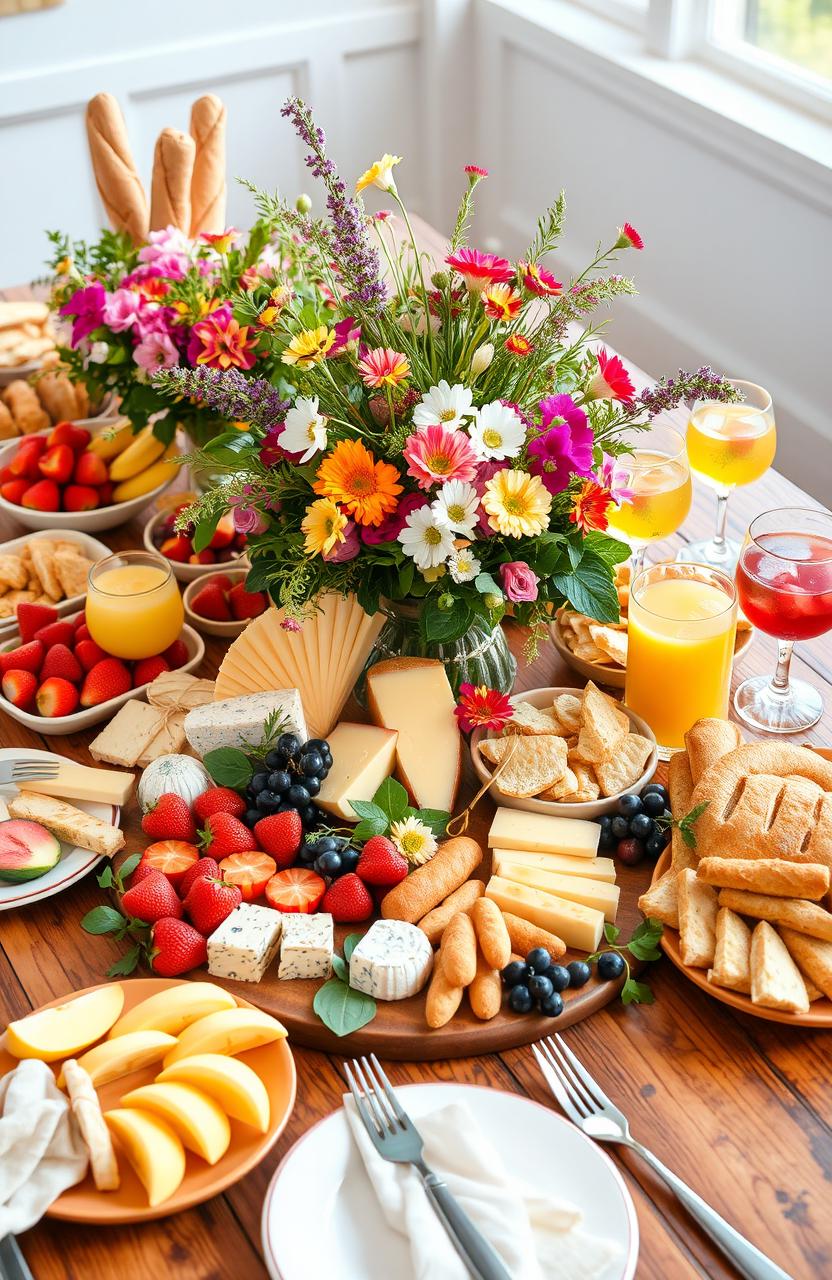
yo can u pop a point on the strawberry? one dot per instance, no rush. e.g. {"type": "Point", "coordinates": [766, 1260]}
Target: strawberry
{"type": "Point", "coordinates": [105, 494]}
{"type": "Point", "coordinates": [90, 469]}
{"type": "Point", "coordinates": [176, 654]}
{"type": "Point", "coordinates": [203, 868]}
{"type": "Point", "coordinates": [26, 657]}
{"type": "Point", "coordinates": [67, 433]}
{"type": "Point", "coordinates": [202, 557]}
{"type": "Point", "coordinates": [177, 548]}
{"type": "Point", "coordinates": [170, 819]}
{"type": "Point", "coordinates": [296, 889]}
{"type": "Point", "coordinates": [246, 604]}
{"type": "Point", "coordinates": [177, 947]}
{"type": "Point", "coordinates": [44, 495]}
{"type": "Point", "coordinates": [25, 461]}
{"type": "Point", "coordinates": [225, 834]}
{"type": "Point", "coordinates": [381, 863]}
{"type": "Point", "coordinates": [218, 800]}
{"type": "Point", "coordinates": [210, 602]}
{"type": "Point", "coordinates": [174, 858]}
{"type": "Point", "coordinates": [13, 490]}
{"type": "Point", "coordinates": [209, 901]}
{"type": "Point", "coordinates": [57, 463]}
{"type": "Point", "coordinates": [220, 580]}
{"type": "Point", "coordinates": [20, 687]}
{"type": "Point", "coordinates": [6, 474]}
{"type": "Point", "coordinates": [152, 899]}
{"type": "Point", "coordinates": [88, 653]}
{"type": "Point", "coordinates": [61, 661]}
{"type": "Point", "coordinates": [143, 869]}
{"type": "Point", "coordinates": [348, 900]}
{"type": "Point", "coordinates": [56, 697]}
{"type": "Point", "coordinates": [224, 532]}
{"type": "Point", "coordinates": [148, 669]}
{"type": "Point", "coordinates": [31, 617]}
{"type": "Point", "coordinates": [80, 497]}
{"type": "Point", "coordinates": [281, 835]}
{"type": "Point", "coordinates": [107, 679]}
{"type": "Point", "coordinates": [251, 872]}
{"type": "Point", "coordinates": [56, 633]}
{"type": "Point", "coordinates": [82, 631]}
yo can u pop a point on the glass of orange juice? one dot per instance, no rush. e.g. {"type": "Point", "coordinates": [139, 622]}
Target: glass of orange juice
{"type": "Point", "coordinates": [653, 482]}
{"type": "Point", "coordinates": [134, 608]}
{"type": "Point", "coordinates": [682, 624]}
{"type": "Point", "coordinates": [729, 444]}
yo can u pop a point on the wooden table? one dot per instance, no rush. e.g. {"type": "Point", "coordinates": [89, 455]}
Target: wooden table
{"type": "Point", "coordinates": [738, 1107]}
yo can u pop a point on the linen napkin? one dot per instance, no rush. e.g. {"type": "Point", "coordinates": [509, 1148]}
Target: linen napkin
{"type": "Point", "coordinates": [538, 1237]}
{"type": "Point", "coordinates": [41, 1150]}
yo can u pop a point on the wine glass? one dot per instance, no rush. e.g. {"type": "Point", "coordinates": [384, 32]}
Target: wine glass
{"type": "Point", "coordinates": [784, 583]}
{"type": "Point", "coordinates": [653, 483]}
{"type": "Point", "coordinates": [728, 444]}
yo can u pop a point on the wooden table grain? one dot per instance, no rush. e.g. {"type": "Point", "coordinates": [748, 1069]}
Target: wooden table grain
{"type": "Point", "coordinates": [739, 1107]}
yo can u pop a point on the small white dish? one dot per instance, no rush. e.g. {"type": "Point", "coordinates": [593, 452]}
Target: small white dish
{"type": "Point", "coordinates": [20, 371]}
{"type": "Point", "coordinates": [90, 547]}
{"type": "Point", "coordinates": [341, 1231]}
{"type": "Point", "coordinates": [74, 863]}
{"type": "Point", "coordinates": [562, 809]}
{"type": "Point", "coordinates": [191, 572]}
{"type": "Point", "coordinates": [208, 626]}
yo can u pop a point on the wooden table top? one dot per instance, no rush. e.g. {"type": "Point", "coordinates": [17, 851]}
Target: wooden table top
{"type": "Point", "coordinates": [738, 1107]}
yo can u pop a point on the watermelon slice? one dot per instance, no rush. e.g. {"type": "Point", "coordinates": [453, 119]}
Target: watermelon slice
{"type": "Point", "coordinates": [27, 850]}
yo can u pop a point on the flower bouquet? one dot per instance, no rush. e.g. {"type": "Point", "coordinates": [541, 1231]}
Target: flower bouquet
{"type": "Point", "coordinates": [448, 451]}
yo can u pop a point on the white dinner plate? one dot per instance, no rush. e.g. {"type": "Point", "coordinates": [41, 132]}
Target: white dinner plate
{"type": "Point", "coordinates": [73, 862]}
{"type": "Point", "coordinates": [321, 1218]}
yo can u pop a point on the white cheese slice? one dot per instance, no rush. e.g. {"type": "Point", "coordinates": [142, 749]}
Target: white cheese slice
{"type": "Point", "coordinates": [592, 893]}
{"type": "Point", "coordinates": [580, 927]}
{"type": "Point", "coordinates": [80, 782]}
{"type": "Point", "coordinates": [540, 833]}
{"type": "Point", "coordinates": [589, 868]}
{"type": "Point", "coordinates": [392, 961]}
{"type": "Point", "coordinates": [245, 944]}
{"type": "Point", "coordinates": [235, 721]}
{"type": "Point", "coordinates": [413, 696]}
{"type": "Point", "coordinates": [307, 946]}
{"type": "Point", "coordinates": [363, 755]}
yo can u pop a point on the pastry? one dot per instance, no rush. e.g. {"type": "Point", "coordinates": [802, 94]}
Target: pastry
{"type": "Point", "coordinates": [23, 404]}
{"type": "Point", "coordinates": [775, 978]}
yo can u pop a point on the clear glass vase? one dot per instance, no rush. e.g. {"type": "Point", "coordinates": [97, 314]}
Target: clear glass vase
{"type": "Point", "coordinates": [480, 656]}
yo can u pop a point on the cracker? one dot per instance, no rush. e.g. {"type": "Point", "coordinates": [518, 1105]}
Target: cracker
{"type": "Point", "coordinates": [626, 765]}
{"type": "Point", "coordinates": [72, 571]}
{"type": "Point", "coordinates": [732, 955]}
{"type": "Point", "coordinates": [43, 559]}
{"type": "Point", "coordinates": [603, 726]}
{"type": "Point", "coordinates": [536, 763]}
{"type": "Point", "coordinates": [565, 789]}
{"type": "Point", "coordinates": [775, 978]}
{"type": "Point", "coordinates": [661, 901]}
{"type": "Point", "coordinates": [697, 920]}
{"type": "Point", "coordinates": [611, 641]}
{"type": "Point", "coordinates": [527, 719]}
{"type": "Point", "coordinates": [12, 571]}
{"type": "Point", "coordinates": [680, 790]}
{"type": "Point", "coordinates": [567, 708]}
{"type": "Point", "coordinates": [588, 651]}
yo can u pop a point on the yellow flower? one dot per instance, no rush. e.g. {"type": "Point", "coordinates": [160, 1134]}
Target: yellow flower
{"type": "Point", "coordinates": [517, 504]}
{"type": "Point", "coordinates": [324, 526]}
{"type": "Point", "coordinates": [379, 174]}
{"type": "Point", "coordinates": [64, 267]}
{"type": "Point", "coordinates": [309, 347]}
{"type": "Point", "coordinates": [433, 575]}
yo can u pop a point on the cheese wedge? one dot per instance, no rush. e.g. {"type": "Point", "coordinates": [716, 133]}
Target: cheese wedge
{"type": "Point", "coordinates": [363, 755]}
{"type": "Point", "coordinates": [591, 893]}
{"type": "Point", "coordinates": [539, 833]}
{"type": "Point", "coordinates": [580, 927]}
{"type": "Point", "coordinates": [413, 696]}
{"type": "Point", "coordinates": [69, 824]}
{"type": "Point", "coordinates": [79, 782]}
{"type": "Point", "coordinates": [588, 868]}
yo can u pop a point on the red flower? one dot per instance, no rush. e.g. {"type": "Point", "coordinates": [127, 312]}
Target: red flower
{"type": "Point", "coordinates": [479, 270]}
{"type": "Point", "coordinates": [612, 381]}
{"type": "Point", "coordinates": [589, 507]}
{"type": "Point", "coordinates": [475, 171]}
{"type": "Point", "coordinates": [628, 238]}
{"type": "Point", "coordinates": [481, 706]}
{"type": "Point", "coordinates": [518, 345]}
{"type": "Point", "coordinates": [538, 280]}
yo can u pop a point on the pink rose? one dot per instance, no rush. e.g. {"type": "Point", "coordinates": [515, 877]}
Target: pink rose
{"type": "Point", "coordinates": [156, 351]}
{"type": "Point", "coordinates": [248, 519]}
{"type": "Point", "coordinates": [346, 550]}
{"type": "Point", "coordinates": [518, 581]}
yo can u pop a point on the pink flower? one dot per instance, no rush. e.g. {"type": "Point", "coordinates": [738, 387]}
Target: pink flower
{"type": "Point", "coordinates": [485, 472]}
{"type": "Point", "coordinates": [221, 342]}
{"type": "Point", "coordinates": [122, 309]}
{"type": "Point", "coordinates": [156, 351]}
{"type": "Point", "coordinates": [436, 455]}
{"type": "Point", "coordinates": [222, 242]}
{"type": "Point", "coordinates": [391, 527]}
{"type": "Point", "coordinates": [348, 549]}
{"type": "Point", "coordinates": [475, 171]}
{"type": "Point", "coordinates": [247, 519]}
{"type": "Point", "coordinates": [565, 448]}
{"type": "Point", "coordinates": [612, 381]}
{"type": "Point", "coordinates": [155, 319]}
{"type": "Point", "coordinates": [383, 367]}
{"type": "Point", "coordinates": [87, 306]}
{"type": "Point", "coordinates": [271, 451]}
{"type": "Point", "coordinates": [167, 240]}
{"type": "Point", "coordinates": [381, 215]}
{"type": "Point", "coordinates": [518, 581]}
{"type": "Point", "coordinates": [479, 270]}
{"type": "Point", "coordinates": [346, 331]}
{"type": "Point", "coordinates": [480, 706]}
{"type": "Point", "coordinates": [628, 238]}
{"type": "Point", "coordinates": [538, 280]}
{"type": "Point", "coordinates": [608, 475]}
{"type": "Point", "coordinates": [291, 624]}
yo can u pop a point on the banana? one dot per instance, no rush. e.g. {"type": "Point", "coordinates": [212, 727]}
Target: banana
{"type": "Point", "coordinates": [143, 450]}
{"type": "Point", "coordinates": [110, 442]}
{"type": "Point", "coordinates": [158, 473]}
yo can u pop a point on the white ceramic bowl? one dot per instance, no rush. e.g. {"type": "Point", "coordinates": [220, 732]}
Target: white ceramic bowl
{"type": "Point", "coordinates": [190, 572]}
{"type": "Point", "coordinates": [227, 630]}
{"type": "Point", "coordinates": [562, 809]}
{"type": "Point", "coordinates": [90, 547]}
{"type": "Point", "coordinates": [19, 371]}
{"type": "Point", "coordinates": [86, 521]}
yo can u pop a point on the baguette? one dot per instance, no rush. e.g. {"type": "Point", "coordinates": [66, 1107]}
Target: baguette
{"type": "Point", "coordinates": [170, 192]}
{"type": "Point", "coordinates": [68, 823]}
{"type": "Point", "coordinates": [767, 875]}
{"type": "Point", "coordinates": [526, 936]}
{"type": "Point", "coordinates": [208, 188]}
{"type": "Point", "coordinates": [794, 913]}
{"type": "Point", "coordinates": [462, 899]}
{"type": "Point", "coordinates": [119, 185]}
{"type": "Point", "coordinates": [428, 885]}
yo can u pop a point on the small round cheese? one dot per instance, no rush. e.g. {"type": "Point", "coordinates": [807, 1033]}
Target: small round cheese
{"type": "Point", "coordinates": [392, 961]}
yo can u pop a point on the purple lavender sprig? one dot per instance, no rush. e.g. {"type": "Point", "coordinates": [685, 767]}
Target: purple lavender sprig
{"type": "Point", "coordinates": [234, 396]}
{"type": "Point", "coordinates": [357, 260]}
{"type": "Point", "coordinates": [704, 384]}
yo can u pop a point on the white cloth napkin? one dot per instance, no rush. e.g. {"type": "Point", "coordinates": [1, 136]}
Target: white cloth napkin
{"type": "Point", "coordinates": [536, 1236]}
{"type": "Point", "coordinates": [41, 1150]}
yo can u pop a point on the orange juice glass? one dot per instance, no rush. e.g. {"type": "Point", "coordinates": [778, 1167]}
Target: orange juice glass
{"type": "Point", "coordinates": [134, 608]}
{"type": "Point", "coordinates": [682, 625]}
{"type": "Point", "coordinates": [655, 480]}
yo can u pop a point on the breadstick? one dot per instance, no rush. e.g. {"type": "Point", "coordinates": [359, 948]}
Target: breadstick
{"type": "Point", "coordinates": [170, 191]}
{"type": "Point", "coordinates": [492, 934]}
{"type": "Point", "coordinates": [458, 951]}
{"type": "Point", "coordinates": [443, 999]}
{"type": "Point", "coordinates": [428, 885]}
{"type": "Point", "coordinates": [485, 994]}
{"type": "Point", "coordinates": [119, 185]}
{"type": "Point", "coordinates": [767, 875]}
{"type": "Point", "coordinates": [208, 182]}
{"type": "Point", "coordinates": [525, 937]}
{"type": "Point", "coordinates": [87, 1111]}
{"type": "Point", "coordinates": [680, 790]}
{"type": "Point", "coordinates": [462, 899]}
{"type": "Point", "coordinates": [794, 913]}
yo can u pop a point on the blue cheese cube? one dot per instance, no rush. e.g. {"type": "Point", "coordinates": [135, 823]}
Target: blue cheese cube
{"type": "Point", "coordinates": [245, 943]}
{"type": "Point", "coordinates": [392, 961]}
{"type": "Point", "coordinates": [307, 946]}
{"type": "Point", "coordinates": [231, 722]}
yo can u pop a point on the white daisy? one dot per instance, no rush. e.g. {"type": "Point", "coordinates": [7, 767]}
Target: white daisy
{"type": "Point", "coordinates": [457, 502]}
{"type": "Point", "coordinates": [444, 404]}
{"type": "Point", "coordinates": [427, 537]}
{"type": "Point", "coordinates": [414, 841]}
{"type": "Point", "coordinates": [497, 432]}
{"type": "Point", "coordinates": [463, 566]}
{"type": "Point", "coordinates": [305, 429]}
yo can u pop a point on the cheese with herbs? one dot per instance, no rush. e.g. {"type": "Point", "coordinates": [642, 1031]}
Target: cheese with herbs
{"type": "Point", "coordinates": [245, 943]}
{"type": "Point", "coordinates": [233, 722]}
{"type": "Point", "coordinates": [392, 961]}
{"type": "Point", "coordinates": [307, 946]}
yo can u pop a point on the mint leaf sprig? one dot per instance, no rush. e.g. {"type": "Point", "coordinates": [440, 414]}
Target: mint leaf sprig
{"type": "Point", "coordinates": [106, 919]}
{"type": "Point", "coordinates": [339, 1007]}
{"type": "Point", "coordinates": [684, 825]}
{"type": "Point", "coordinates": [643, 945]}
{"type": "Point", "coordinates": [390, 804]}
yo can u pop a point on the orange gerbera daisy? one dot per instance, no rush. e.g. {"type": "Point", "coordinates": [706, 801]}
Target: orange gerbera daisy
{"type": "Point", "coordinates": [501, 302]}
{"type": "Point", "coordinates": [589, 507]}
{"type": "Point", "coordinates": [366, 488]}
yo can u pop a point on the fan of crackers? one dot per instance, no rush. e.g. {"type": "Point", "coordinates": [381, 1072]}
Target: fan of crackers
{"type": "Point", "coordinates": [749, 889]}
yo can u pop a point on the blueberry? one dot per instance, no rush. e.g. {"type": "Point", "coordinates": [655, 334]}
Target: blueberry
{"type": "Point", "coordinates": [329, 864]}
{"type": "Point", "coordinates": [279, 781]}
{"type": "Point", "coordinates": [308, 854]}
{"type": "Point", "coordinates": [539, 960]}
{"type": "Point", "coordinates": [285, 807]}
{"type": "Point", "coordinates": [579, 973]}
{"type": "Point", "coordinates": [610, 965]}
{"type": "Point", "coordinates": [629, 805]}
{"type": "Point", "coordinates": [298, 795]}
{"type": "Point", "coordinates": [349, 859]}
{"type": "Point", "coordinates": [552, 1005]}
{"type": "Point", "coordinates": [251, 816]}
{"type": "Point", "coordinates": [619, 827]}
{"type": "Point", "coordinates": [289, 743]}
{"type": "Point", "coordinates": [606, 839]}
{"type": "Point", "coordinates": [258, 783]}
{"type": "Point", "coordinates": [559, 976]}
{"type": "Point", "coordinates": [514, 973]}
{"type": "Point", "coordinates": [324, 772]}
{"type": "Point", "coordinates": [654, 788]}
{"type": "Point", "coordinates": [654, 847]}
{"type": "Point", "coordinates": [275, 759]}
{"type": "Point", "coordinates": [267, 801]}
{"type": "Point", "coordinates": [540, 987]}
{"type": "Point", "coordinates": [313, 785]}
{"type": "Point", "coordinates": [641, 826]}
{"type": "Point", "coordinates": [311, 764]}
{"type": "Point", "coordinates": [325, 843]}
{"type": "Point", "coordinates": [317, 744]}
{"type": "Point", "coordinates": [520, 999]}
{"type": "Point", "coordinates": [653, 804]}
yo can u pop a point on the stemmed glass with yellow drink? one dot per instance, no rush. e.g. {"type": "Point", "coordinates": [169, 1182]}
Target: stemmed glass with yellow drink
{"type": "Point", "coordinates": [652, 484]}
{"type": "Point", "coordinates": [729, 445]}
{"type": "Point", "coordinates": [134, 608]}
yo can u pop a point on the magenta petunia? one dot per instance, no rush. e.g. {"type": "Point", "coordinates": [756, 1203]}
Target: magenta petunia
{"type": "Point", "coordinates": [87, 307]}
{"type": "Point", "coordinates": [565, 446]}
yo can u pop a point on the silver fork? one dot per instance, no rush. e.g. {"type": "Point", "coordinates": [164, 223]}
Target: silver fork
{"type": "Point", "coordinates": [587, 1106]}
{"type": "Point", "coordinates": [396, 1138]}
{"type": "Point", "coordinates": [17, 771]}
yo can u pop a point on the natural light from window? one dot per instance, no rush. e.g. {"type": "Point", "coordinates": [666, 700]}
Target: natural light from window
{"type": "Point", "coordinates": [798, 31]}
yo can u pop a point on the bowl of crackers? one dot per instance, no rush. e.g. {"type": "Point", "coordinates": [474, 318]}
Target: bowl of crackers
{"type": "Point", "coordinates": [568, 753]}
{"type": "Point", "coordinates": [49, 568]}
{"type": "Point", "coordinates": [25, 338]}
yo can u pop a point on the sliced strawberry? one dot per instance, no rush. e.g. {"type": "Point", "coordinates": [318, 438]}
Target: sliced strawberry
{"type": "Point", "coordinates": [88, 653]}
{"type": "Point", "coordinates": [61, 661]}
{"type": "Point", "coordinates": [81, 497]}
{"type": "Point", "coordinates": [210, 602]}
{"type": "Point", "coordinates": [224, 532]}
{"type": "Point", "coordinates": [177, 548]}
{"type": "Point", "coordinates": [56, 697]}
{"type": "Point", "coordinates": [56, 633]}
{"type": "Point", "coordinates": [148, 669]}
{"type": "Point", "coordinates": [57, 463]}
{"type": "Point", "coordinates": [20, 688]}
{"type": "Point", "coordinates": [13, 490]}
{"type": "Point", "coordinates": [43, 495]}
{"type": "Point", "coordinates": [107, 679]}
{"type": "Point", "coordinates": [176, 654]}
{"type": "Point", "coordinates": [31, 617]}
{"type": "Point", "coordinates": [26, 657]}
{"type": "Point", "coordinates": [174, 858]}
{"type": "Point", "coordinates": [246, 604]}
{"type": "Point", "coordinates": [251, 872]}
{"type": "Point", "coordinates": [295, 889]}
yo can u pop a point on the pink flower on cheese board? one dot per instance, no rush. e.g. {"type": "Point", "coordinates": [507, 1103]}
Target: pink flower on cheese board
{"type": "Point", "coordinates": [383, 367]}
{"type": "Point", "coordinates": [538, 280]}
{"type": "Point", "coordinates": [436, 454]}
{"type": "Point", "coordinates": [628, 238]}
{"type": "Point", "coordinates": [612, 381]}
{"type": "Point", "coordinates": [481, 707]}
{"type": "Point", "coordinates": [155, 351]}
{"type": "Point", "coordinates": [518, 581]}
{"type": "Point", "coordinates": [479, 270]}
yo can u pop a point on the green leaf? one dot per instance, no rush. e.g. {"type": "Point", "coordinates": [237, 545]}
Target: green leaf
{"type": "Point", "coordinates": [486, 585]}
{"type": "Point", "coordinates": [372, 815]}
{"type": "Point", "coordinates": [436, 819]}
{"type": "Point", "coordinates": [636, 993]}
{"type": "Point", "coordinates": [350, 943]}
{"type": "Point", "coordinates": [441, 626]}
{"type": "Point", "coordinates": [205, 529]}
{"type": "Point", "coordinates": [126, 964]}
{"type": "Point", "coordinates": [102, 920]}
{"type": "Point", "coordinates": [369, 827]}
{"type": "Point", "coordinates": [342, 1009]}
{"type": "Point", "coordinates": [106, 880]}
{"type": "Point", "coordinates": [606, 548]}
{"type": "Point", "coordinates": [391, 798]}
{"type": "Point", "coordinates": [590, 589]}
{"type": "Point", "coordinates": [686, 823]}
{"type": "Point", "coordinates": [575, 551]}
{"type": "Point", "coordinates": [340, 969]}
{"type": "Point", "coordinates": [128, 866]}
{"type": "Point", "coordinates": [611, 932]}
{"type": "Point", "coordinates": [644, 942]}
{"type": "Point", "coordinates": [229, 767]}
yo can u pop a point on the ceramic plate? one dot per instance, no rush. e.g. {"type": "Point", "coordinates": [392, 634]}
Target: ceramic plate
{"type": "Point", "coordinates": [321, 1218]}
{"type": "Point", "coordinates": [73, 863]}
{"type": "Point", "coordinates": [276, 1068]}
{"type": "Point", "coordinates": [89, 547]}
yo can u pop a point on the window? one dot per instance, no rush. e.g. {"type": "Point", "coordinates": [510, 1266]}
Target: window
{"type": "Point", "coordinates": [795, 33]}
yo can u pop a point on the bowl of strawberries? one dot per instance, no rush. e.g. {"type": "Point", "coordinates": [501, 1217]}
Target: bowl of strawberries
{"type": "Point", "coordinates": [220, 605]}
{"type": "Point", "coordinates": [227, 546]}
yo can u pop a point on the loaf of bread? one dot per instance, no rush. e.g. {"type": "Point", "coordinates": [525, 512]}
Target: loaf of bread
{"type": "Point", "coordinates": [170, 192]}
{"type": "Point", "coordinates": [119, 185]}
{"type": "Point", "coordinates": [208, 186]}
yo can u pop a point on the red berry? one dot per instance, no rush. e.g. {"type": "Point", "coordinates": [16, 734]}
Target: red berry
{"type": "Point", "coordinates": [105, 494]}
{"type": "Point", "coordinates": [348, 900]}
{"type": "Point", "coordinates": [143, 869]}
{"type": "Point", "coordinates": [90, 469]}
{"type": "Point", "coordinates": [629, 851]}
{"type": "Point", "coordinates": [56, 697]}
{"type": "Point", "coordinates": [177, 947]}
{"type": "Point", "coordinates": [170, 819]}
{"type": "Point", "coordinates": [295, 889]}
{"type": "Point", "coordinates": [176, 654]}
{"type": "Point", "coordinates": [20, 688]}
{"type": "Point", "coordinates": [250, 871]}
{"type": "Point", "coordinates": [81, 497]}
{"type": "Point", "coordinates": [210, 602]}
{"type": "Point", "coordinates": [174, 858]}
{"type": "Point", "coordinates": [225, 834]}
{"type": "Point", "coordinates": [148, 669]}
{"type": "Point", "coordinates": [13, 490]}
{"type": "Point", "coordinates": [61, 661]}
{"type": "Point", "coordinates": [57, 463]}
{"type": "Point", "coordinates": [88, 653]}
{"type": "Point", "coordinates": [151, 899]}
{"type": "Point", "coordinates": [219, 800]}
{"type": "Point", "coordinates": [177, 548]}
{"type": "Point", "coordinates": [82, 631]}
{"type": "Point", "coordinates": [209, 901]}
{"type": "Point", "coordinates": [43, 495]}
{"type": "Point", "coordinates": [67, 433]}
{"type": "Point", "coordinates": [381, 863]}
{"type": "Point", "coordinates": [26, 657]}
{"type": "Point", "coordinates": [246, 604]}
{"type": "Point", "coordinates": [220, 580]}
{"type": "Point", "coordinates": [202, 557]}
{"type": "Point", "coordinates": [107, 679]}
{"type": "Point", "coordinates": [202, 869]}
{"type": "Point", "coordinates": [56, 633]}
{"type": "Point", "coordinates": [31, 617]}
{"type": "Point", "coordinates": [281, 835]}
{"type": "Point", "coordinates": [25, 461]}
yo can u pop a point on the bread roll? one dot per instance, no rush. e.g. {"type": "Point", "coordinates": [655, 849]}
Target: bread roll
{"type": "Point", "coordinates": [170, 193]}
{"type": "Point", "coordinates": [119, 185]}
{"type": "Point", "coordinates": [208, 186]}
